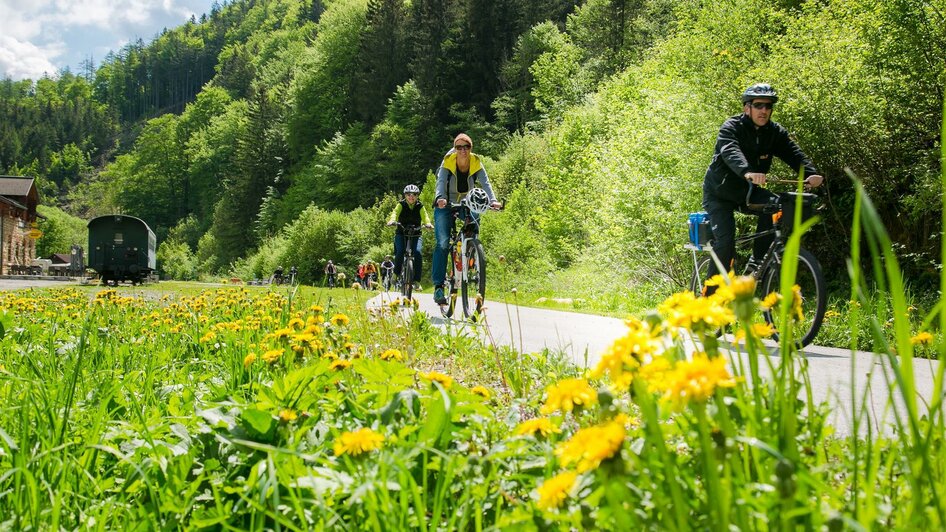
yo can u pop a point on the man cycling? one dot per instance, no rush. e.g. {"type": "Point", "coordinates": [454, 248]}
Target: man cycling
{"type": "Point", "coordinates": [330, 272]}
{"type": "Point", "coordinates": [387, 272]}
{"type": "Point", "coordinates": [458, 172]}
{"type": "Point", "coordinates": [408, 212]}
{"type": "Point", "coordinates": [744, 150]}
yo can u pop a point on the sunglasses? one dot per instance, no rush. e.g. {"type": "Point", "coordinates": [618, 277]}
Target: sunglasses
{"type": "Point", "coordinates": [762, 105]}
{"type": "Point", "coordinates": [462, 147]}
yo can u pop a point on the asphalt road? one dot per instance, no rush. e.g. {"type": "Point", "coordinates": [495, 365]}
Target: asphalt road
{"type": "Point", "coordinates": [833, 373]}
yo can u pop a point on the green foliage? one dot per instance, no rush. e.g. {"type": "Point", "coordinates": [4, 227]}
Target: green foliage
{"type": "Point", "coordinates": [61, 231]}
{"type": "Point", "coordinates": [320, 90]}
{"type": "Point", "coordinates": [176, 261]}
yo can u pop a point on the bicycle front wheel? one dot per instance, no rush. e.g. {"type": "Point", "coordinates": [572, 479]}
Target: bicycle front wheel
{"type": "Point", "coordinates": [473, 290]}
{"type": "Point", "coordinates": [407, 278]}
{"type": "Point", "coordinates": [449, 286]}
{"type": "Point", "coordinates": [809, 301]}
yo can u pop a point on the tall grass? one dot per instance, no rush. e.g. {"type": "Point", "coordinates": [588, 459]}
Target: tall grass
{"type": "Point", "coordinates": [270, 409]}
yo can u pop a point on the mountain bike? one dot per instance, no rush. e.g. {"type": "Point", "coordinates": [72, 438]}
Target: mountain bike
{"type": "Point", "coordinates": [767, 271]}
{"type": "Point", "coordinates": [387, 278]}
{"type": "Point", "coordinates": [411, 234]}
{"type": "Point", "coordinates": [466, 264]}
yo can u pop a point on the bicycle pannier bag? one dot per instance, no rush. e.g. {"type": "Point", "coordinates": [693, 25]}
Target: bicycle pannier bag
{"type": "Point", "coordinates": [699, 226]}
{"type": "Point", "coordinates": [789, 201]}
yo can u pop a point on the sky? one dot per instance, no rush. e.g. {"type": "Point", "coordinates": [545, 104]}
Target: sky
{"type": "Point", "coordinates": [45, 36]}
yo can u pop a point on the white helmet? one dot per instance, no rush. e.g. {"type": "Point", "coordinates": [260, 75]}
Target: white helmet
{"type": "Point", "coordinates": [411, 189]}
{"type": "Point", "coordinates": [477, 200]}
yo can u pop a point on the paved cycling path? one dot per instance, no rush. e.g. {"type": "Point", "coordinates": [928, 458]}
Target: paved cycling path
{"type": "Point", "coordinates": [584, 337]}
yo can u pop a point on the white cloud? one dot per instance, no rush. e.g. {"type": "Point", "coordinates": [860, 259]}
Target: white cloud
{"type": "Point", "coordinates": [32, 31]}
{"type": "Point", "coordinates": [20, 60]}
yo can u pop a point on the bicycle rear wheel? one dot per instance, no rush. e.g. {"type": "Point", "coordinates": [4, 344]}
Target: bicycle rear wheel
{"type": "Point", "coordinates": [473, 289]}
{"type": "Point", "coordinates": [812, 298]}
{"type": "Point", "coordinates": [407, 278]}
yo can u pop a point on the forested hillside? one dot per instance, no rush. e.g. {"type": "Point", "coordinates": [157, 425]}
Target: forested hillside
{"type": "Point", "coordinates": [278, 131]}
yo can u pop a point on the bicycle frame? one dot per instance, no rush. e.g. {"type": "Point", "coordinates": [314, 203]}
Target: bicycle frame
{"type": "Point", "coordinates": [469, 230]}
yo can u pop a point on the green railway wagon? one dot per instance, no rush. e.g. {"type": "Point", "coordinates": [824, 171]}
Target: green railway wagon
{"type": "Point", "coordinates": [121, 248]}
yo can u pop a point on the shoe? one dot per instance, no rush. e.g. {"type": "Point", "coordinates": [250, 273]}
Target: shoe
{"type": "Point", "coordinates": [438, 296]}
{"type": "Point", "coordinates": [417, 287]}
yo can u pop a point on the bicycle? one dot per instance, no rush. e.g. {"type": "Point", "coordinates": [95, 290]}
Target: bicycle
{"type": "Point", "coordinates": [767, 272]}
{"type": "Point", "coordinates": [466, 265]}
{"type": "Point", "coordinates": [406, 282]}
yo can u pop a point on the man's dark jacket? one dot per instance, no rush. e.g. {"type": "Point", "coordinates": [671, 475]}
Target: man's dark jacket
{"type": "Point", "coordinates": [741, 148]}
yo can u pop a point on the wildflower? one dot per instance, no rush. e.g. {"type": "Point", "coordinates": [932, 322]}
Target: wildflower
{"type": "Point", "coordinates": [770, 300]}
{"type": "Point", "coordinates": [922, 338]}
{"type": "Point", "coordinates": [281, 333]}
{"type": "Point", "coordinates": [340, 364]}
{"type": "Point", "coordinates": [831, 314]}
{"type": "Point", "coordinates": [340, 320]}
{"type": "Point", "coordinates": [249, 359]}
{"type": "Point", "coordinates": [686, 310]}
{"type": "Point", "coordinates": [316, 309]}
{"type": "Point", "coordinates": [541, 425]}
{"type": "Point", "coordinates": [554, 491]}
{"type": "Point", "coordinates": [591, 446]}
{"type": "Point", "coordinates": [295, 323]}
{"type": "Point", "coordinates": [481, 391]}
{"type": "Point", "coordinates": [392, 354]}
{"type": "Point", "coordinates": [207, 337]}
{"type": "Point", "coordinates": [796, 303]}
{"type": "Point", "coordinates": [568, 394]}
{"type": "Point", "coordinates": [626, 353]}
{"type": "Point", "coordinates": [435, 376]}
{"type": "Point", "coordinates": [696, 380]}
{"type": "Point", "coordinates": [272, 355]}
{"type": "Point", "coordinates": [358, 442]}
{"type": "Point", "coordinates": [286, 415]}
{"type": "Point", "coordinates": [654, 373]}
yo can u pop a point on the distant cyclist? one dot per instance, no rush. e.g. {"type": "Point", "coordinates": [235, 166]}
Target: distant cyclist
{"type": "Point", "coordinates": [745, 147]}
{"type": "Point", "coordinates": [387, 272]}
{"type": "Point", "coordinates": [459, 171]}
{"type": "Point", "coordinates": [409, 212]}
{"type": "Point", "coordinates": [330, 272]}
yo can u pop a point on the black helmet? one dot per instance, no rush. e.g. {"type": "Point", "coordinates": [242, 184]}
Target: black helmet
{"type": "Point", "coordinates": [411, 189]}
{"type": "Point", "coordinates": [759, 90]}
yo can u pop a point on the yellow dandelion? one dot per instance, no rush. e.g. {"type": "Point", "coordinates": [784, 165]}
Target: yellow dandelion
{"type": "Point", "coordinates": [591, 446]}
{"type": "Point", "coordinates": [249, 359]}
{"type": "Point", "coordinates": [340, 364]}
{"type": "Point", "coordinates": [273, 355]}
{"type": "Point", "coordinates": [553, 492]}
{"type": "Point", "coordinates": [763, 330]}
{"type": "Point", "coordinates": [568, 394]}
{"type": "Point", "coordinates": [696, 380]}
{"type": "Point", "coordinates": [392, 354]}
{"type": "Point", "coordinates": [770, 301]}
{"type": "Point", "coordinates": [540, 425]}
{"type": "Point", "coordinates": [481, 391]}
{"type": "Point", "coordinates": [358, 442]}
{"type": "Point", "coordinates": [295, 323]}
{"type": "Point", "coordinates": [287, 415]}
{"type": "Point", "coordinates": [796, 303]}
{"type": "Point", "coordinates": [435, 376]}
{"type": "Point", "coordinates": [922, 338]}
{"type": "Point", "coordinates": [340, 320]}
{"type": "Point", "coordinates": [625, 354]}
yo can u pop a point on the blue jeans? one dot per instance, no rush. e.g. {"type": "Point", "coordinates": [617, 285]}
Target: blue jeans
{"type": "Point", "coordinates": [399, 246]}
{"type": "Point", "coordinates": [443, 222]}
